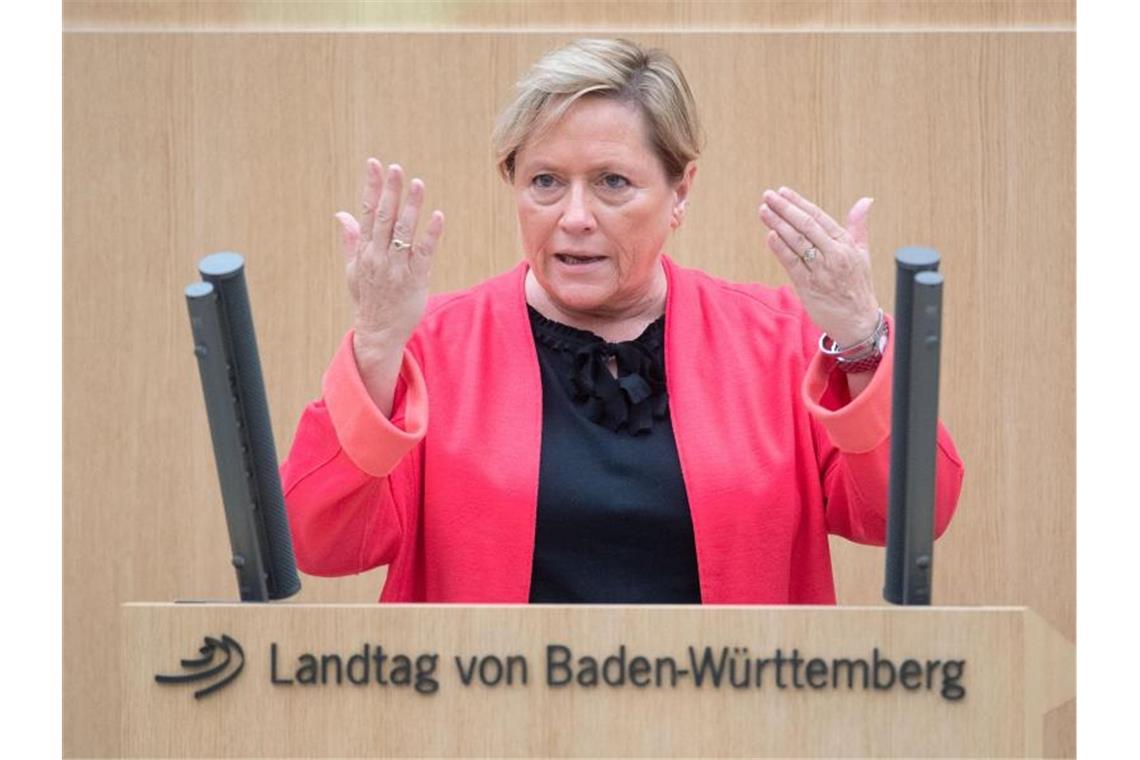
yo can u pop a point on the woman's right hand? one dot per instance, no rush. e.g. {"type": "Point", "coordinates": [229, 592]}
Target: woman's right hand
{"type": "Point", "coordinates": [387, 267]}
{"type": "Point", "coordinates": [386, 264]}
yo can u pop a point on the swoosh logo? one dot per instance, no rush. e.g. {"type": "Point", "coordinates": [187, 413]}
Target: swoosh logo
{"type": "Point", "coordinates": [216, 656]}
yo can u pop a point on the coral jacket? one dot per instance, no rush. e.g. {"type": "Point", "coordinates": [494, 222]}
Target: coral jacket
{"type": "Point", "coordinates": [774, 454]}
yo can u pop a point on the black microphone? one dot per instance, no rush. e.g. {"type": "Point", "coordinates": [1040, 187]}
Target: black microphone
{"type": "Point", "coordinates": [244, 451]}
{"type": "Point", "coordinates": [914, 426]}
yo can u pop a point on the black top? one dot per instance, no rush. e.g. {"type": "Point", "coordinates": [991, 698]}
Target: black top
{"type": "Point", "coordinates": [613, 517]}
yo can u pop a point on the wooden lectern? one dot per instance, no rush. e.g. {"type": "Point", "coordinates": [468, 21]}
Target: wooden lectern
{"type": "Point", "coordinates": [293, 680]}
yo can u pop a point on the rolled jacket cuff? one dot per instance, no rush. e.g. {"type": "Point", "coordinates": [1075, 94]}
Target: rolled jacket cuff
{"type": "Point", "coordinates": [863, 423]}
{"type": "Point", "coordinates": [372, 441]}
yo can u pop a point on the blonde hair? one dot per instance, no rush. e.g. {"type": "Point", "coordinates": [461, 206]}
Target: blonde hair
{"type": "Point", "coordinates": [609, 68]}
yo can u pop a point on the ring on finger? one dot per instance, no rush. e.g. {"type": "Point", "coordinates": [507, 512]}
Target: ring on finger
{"type": "Point", "coordinates": [400, 245]}
{"type": "Point", "coordinates": [811, 254]}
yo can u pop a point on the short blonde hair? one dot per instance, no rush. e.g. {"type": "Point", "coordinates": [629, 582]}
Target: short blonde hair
{"type": "Point", "coordinates": [609, 68]}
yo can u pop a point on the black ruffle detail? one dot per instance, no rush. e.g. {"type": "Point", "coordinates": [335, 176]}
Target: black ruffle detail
{"type": "Point", "coordinates": [636, 397]}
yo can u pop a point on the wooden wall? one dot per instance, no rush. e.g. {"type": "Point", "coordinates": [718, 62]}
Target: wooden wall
{"type": "Point", "coordinates": [248, 135]}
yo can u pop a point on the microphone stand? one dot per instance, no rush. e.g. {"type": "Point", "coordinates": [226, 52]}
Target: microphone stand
{"type": "Point", "coordinates": [914, 426]}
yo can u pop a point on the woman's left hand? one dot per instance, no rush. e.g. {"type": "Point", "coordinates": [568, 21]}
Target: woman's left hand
{"type": "Point", "coordinates": [830, 265]}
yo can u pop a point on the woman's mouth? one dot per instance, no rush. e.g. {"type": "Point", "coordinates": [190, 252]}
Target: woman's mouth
{"type": "Point", "coordinates": [576, 260]}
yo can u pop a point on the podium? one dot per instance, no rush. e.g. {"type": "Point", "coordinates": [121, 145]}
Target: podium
{"type": "Point", "coordinates": [455, 680]}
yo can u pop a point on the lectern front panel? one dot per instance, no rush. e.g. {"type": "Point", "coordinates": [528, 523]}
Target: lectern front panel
{"type": "Point", "coordinates": [310, 680]}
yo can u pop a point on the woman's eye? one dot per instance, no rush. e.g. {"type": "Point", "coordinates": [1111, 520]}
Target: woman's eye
{"type": "Point", "coordinates": [615, 182]}
{"type": "Point", "coordinates": [543, 181]}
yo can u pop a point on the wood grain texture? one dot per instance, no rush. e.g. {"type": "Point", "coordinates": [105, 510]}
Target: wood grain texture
{"type": "Point", "coordinates": [999, 714]}
{"type": "Point", "coordinates": [1061, 731]}
{"type": "Point", "coordinates": [180, 145]}
{"type": "Point", "coordinates": [1050, 682]}
{"type": "Point", "coordinates": [733, 15]}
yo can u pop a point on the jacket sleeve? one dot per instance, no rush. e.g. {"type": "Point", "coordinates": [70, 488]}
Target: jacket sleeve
{"type": "Point", "coordinates": [351, 479]}
{"type": "Point", "coordinates": [854, 448]}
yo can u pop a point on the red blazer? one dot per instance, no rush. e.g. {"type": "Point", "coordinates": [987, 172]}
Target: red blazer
{"type": "Point", "coordinates": [774, 454]}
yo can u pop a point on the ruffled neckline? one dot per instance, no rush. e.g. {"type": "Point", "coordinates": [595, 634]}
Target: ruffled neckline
{"type": "Point", "coordinates": [632, 400]}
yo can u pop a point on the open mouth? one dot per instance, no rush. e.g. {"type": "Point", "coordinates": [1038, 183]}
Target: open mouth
{"type": "Point", "coordinates": [567, 258]}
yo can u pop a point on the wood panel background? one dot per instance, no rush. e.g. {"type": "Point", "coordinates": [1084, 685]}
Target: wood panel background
{"type": "Point", "coordinates": [177, 145]}
{"type": "Point", "coordinates": [579, 14]}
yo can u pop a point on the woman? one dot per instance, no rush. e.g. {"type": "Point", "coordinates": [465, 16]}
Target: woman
{"type": "Point", "coordinates": [605, 425]}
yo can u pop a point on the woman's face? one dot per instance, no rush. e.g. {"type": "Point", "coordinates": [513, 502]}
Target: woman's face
{"type": "Point", "coordinates": [595, 207]}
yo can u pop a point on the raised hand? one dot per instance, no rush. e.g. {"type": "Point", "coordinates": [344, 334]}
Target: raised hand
{"type": "Point", "coordinates": [830, 265]}
{"type": "Point", "coordinates": [386, 265]}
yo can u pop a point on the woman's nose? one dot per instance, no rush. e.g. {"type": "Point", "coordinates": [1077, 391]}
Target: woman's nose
{"type": "Point", "coordinates": [577, 218]}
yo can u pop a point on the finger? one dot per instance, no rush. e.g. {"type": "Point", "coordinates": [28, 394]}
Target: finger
{"type": "Point", "coordinates": [857, 220]}
{"type": "Point", "coordinates": [826, 223]}
{"type": "Point", "coordinates": [388, 205]}
{"type": "Point", "coordinates": [794, 238]}
{"type": "Point", "coordinates": [423, 250]}
{"type": "Point", "coordinates": [803, 225]}
{"type": "Point", "coordinates": [785, 255]}
{"type": "Point", "coordinates": [349, 233]}
{"type": "Point", "coordinates": [405, 228]}
{"type": "Point", "coordinates": [373, 179]}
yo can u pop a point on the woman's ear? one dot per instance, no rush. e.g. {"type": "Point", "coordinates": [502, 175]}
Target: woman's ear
{"type": "Point", "coordinates": [678, 215]}
{"type": "Point", "coordinates": [681, 194]}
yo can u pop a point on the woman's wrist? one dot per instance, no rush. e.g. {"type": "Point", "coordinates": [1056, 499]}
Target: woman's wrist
{"type": "Point", "coordinates": [856, 331]}
{"type": "Point", "coordinates": [378, 360]}
{"type": "Point", "coordinates": [376, 345]}
{"type": "Point", "coordinates": [857, 382]}
{"type": "Point", "coordinates": [862, 356]}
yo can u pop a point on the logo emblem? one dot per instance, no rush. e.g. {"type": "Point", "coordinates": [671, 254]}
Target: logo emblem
{"type": "Point", "coordinates": [201, 669]}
